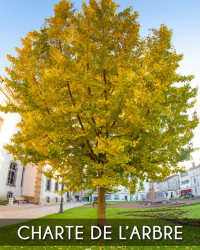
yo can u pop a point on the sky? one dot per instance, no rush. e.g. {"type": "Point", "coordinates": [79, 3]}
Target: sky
{"type": "Point", "coordinates": [19, 17]}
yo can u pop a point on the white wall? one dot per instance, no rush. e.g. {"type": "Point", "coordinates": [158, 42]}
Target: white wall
{"type": "Point", "coordinates": [185, 182]}
{"type": "Point", "coordinates": [29, 179]}
{"type": "Point", "coordinates": [141, 194]}
{"type": "Point", "coordinates": [195, 180]}
{"type": "Point", "coordinates": [44, 193]}
{"type": "Point", "coordinates": [7, 131]}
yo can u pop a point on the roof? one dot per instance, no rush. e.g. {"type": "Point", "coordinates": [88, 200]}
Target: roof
{"type": "Point", "coordinates": [198, 166]}
{"type": "Point", "coordinates": [168, 178]}
{"type": "Point", "coordinates": [8, 92]}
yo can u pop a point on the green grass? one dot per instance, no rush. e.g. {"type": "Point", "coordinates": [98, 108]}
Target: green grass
{"type": "Point", "coordinates": [193, 211]}
{"type": "Point", "coordinates": [114, 202]}
{"type": "Point", "coordinates": [111, 213]}
{"type": "Point", "coordinates": [124, 202]}
{"type": "Point", "coordinates": [182, 199]}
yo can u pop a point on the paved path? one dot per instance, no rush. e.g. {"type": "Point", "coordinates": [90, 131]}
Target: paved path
{"type": "Point", "coordinates": [23, 211]}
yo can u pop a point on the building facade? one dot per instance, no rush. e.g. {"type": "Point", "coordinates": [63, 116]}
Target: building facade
{"type": "Point", "coordinates": [15, 179]}
{"type": "Point", "coordinates": [194, 173]}
{"type": "Point", "coordinates": [170, 187]}
{"type": "Point", "coordinates": [140, 194]}
{"type": "Point", "coordinates": [185, 184]}
{"type": "Point", "coordinates": [11, 171]}
{"type": "Point", "coordinates": [121, 194]}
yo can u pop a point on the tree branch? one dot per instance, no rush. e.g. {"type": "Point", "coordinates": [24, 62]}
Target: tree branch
{"type": "Point", "coordinates": [80, 121]}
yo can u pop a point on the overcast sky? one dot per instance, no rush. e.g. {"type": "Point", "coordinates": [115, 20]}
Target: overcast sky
{"type": "Point", "coordinates": [18, 17]}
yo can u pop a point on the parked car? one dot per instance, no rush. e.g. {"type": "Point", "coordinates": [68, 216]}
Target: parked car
{"type": "Point", "coordinates": [188, 196]}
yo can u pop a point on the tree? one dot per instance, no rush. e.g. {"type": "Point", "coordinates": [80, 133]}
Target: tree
{"type": "Point", "coordinates": [101, 105]}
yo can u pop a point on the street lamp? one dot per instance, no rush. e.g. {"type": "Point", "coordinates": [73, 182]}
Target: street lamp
{"type": "Point", "coordinates": [61, 202]}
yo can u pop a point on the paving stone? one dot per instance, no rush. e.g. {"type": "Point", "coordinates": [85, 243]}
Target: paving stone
{"type": "Point", "coordinates": [30, 211]}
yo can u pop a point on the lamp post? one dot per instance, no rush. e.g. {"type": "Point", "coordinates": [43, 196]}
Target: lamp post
{"type": "Point", "coordinates": [61, 202]}
{"type": "Point", "coordinates": [177, 189]}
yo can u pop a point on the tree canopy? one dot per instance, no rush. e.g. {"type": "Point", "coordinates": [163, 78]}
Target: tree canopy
{"type": "Point", "coordinates": [100, 104]}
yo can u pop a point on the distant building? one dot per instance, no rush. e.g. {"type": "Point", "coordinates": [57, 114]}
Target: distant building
{"type": "Point", "coordinates": [194, 173]}
{"type": "Point", "coordinates": [123, 194]}
{"type": "Point", "coordinates": [170, 186]}
{"type": "Point", "coordinates": [141, 194]}
{"type": "Point", "coordinates": [185, 184]}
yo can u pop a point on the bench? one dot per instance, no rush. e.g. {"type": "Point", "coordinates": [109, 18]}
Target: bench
{"type": "Point", "coordinates": [20, 199]}
{"type": "Point", "coordinates": [95, 203]}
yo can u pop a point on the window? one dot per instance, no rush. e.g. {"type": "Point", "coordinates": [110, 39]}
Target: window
{"type": "Point", "coordinates": [195, 181]}
{"type": "Point", "coordinates": [195, 190]}
{"type": "Point", "coordinates": [1, 122]}
{"type": "Point", "coordinates": [143, 197]}
{"type": "Point", "coordinates": [48, 199]}
{"type": "Point", "coordinates": [56, 185]}
{"type": "Point", "coordinates": [48, 187]}
{"type": "Point", "coordinates": [22, 176]}
{"type": "Point", "coordinates": [12, 173]}
{"type": "Point", "coordinates": [184, 182]}
{"type": "Point", "coordinates": [108, 197]}
{"type": "Point", "coordinates": [184, 174]}
{"type": "Point", "coordinates": [116, 197]}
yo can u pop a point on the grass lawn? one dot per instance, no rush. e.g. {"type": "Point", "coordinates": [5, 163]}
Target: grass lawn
{"type": "Point", "coordinates": [193, 211]}
{"type": "Point", "coordinates": [114, 202]}
{"type": "Point", "coordinates": [114, 213]}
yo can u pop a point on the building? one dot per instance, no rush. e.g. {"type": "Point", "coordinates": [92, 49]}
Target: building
{"type": "Point", "coordinates": [38, 189]}
{"type": "Point", "coordinates": [121, 194]}
{"type": "Point", "coordinates": [185, 184]}
{"type": "Point", "coordinates": [141, 194]}
{"type": "Point", "coordinates": [194, 173]}
{"type": "Point", "coordinates": [170, 186]}
{"type": "Point", "coordinates": [11, 172]}
{"type": "Point", "coordinates": [15, 179]}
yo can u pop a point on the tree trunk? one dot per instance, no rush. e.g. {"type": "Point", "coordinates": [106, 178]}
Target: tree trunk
{"type": "Point", "coordinates": [101, 210]}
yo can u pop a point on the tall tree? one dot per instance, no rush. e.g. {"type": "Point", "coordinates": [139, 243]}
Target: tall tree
{"type": "Point", "coordinates": [101, 105]}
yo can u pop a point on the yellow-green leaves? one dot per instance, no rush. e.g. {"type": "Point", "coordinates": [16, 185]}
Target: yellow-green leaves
{"type": "Point", "coordinates": [100, 104]}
